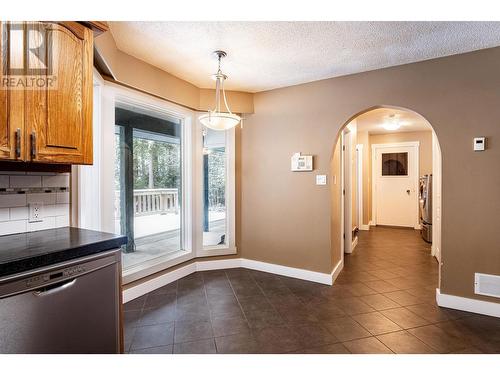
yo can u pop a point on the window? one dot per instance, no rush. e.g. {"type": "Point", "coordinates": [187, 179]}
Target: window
{"type": "Point", "coordinates": [214, 188]}
{"type": "Point", "coordinates": [395, 164]}
{"type": "Point", "coordinates": [156, 165]}
{"type": "Point", "coordinates": [148, 184]}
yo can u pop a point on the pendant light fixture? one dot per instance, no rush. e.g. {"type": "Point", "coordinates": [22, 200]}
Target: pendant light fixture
{"type": "Point", "coordinates": [216, 119]}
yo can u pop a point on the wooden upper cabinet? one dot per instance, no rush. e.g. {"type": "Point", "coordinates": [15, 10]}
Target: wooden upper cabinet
{"type": "Point", "coordinates": [11, 102]}
{"type": "Point", "coordinates": [59, 117]}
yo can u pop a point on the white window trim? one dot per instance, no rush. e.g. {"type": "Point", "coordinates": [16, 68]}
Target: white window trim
{"type": "Point", "coordinates": [118, 94]}
{"type": "Point", "coordinates": [86, 208]}
{"type": "Point", "coordinates": [102, 176]}
{"type": "Point", "coordinates": [230, 246]}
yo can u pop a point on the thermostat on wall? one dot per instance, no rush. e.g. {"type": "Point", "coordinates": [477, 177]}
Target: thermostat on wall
{"type": "Point", "coordinates": [479, 143]}
{"type": "Point", "coordinates": [302, 162]}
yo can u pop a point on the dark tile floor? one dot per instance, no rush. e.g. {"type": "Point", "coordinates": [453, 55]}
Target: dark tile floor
{"type": "Point", "coordinates": [382, 302]}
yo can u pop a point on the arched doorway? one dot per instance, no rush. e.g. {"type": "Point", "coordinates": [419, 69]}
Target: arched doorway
{"type": "Point", "coordinates": [386, 169]}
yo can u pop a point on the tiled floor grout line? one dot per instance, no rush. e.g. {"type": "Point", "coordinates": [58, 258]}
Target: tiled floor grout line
{"type": "Point", "coordinates": [412, 278]}
{"type": "Point", "coordinates": [135, 328]}
{"type": "Point", "coordinates": [175, 313]}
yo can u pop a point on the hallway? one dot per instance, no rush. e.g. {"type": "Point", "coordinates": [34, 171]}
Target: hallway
{"type": "Point", "coordinates": [382, 302]}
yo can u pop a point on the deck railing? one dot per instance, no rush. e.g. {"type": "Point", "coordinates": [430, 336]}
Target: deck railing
{"type": "Point", "coordinates": [151, 202]}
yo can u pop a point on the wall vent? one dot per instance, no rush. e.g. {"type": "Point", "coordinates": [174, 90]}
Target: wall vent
{"type": "Point", "coordinates": [487, 285]}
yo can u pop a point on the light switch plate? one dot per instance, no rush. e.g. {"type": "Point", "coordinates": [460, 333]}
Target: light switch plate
{"type": "Point", "coordinates": [321, 179]}
{"type": "Point", "coordinates": [35, 212]}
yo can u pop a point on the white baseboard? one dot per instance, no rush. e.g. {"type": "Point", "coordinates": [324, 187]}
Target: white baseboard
{"type": "Point", "coordinates": [364, 227]}
{"type": "Point", "coordinates": [372, 223]}
{"type": "Point", "coordinates": [336, 271]}
{"type": "Point", "coordinates": [298, 273]}
{"type": "Point", "coordinates": [148, 286]}
{"type": "Point", "coordinates": [468, 304]}
{"type": "Point", "coordinates": [206, 265]}
{"type": "Point", "coordinates": [221, 264]}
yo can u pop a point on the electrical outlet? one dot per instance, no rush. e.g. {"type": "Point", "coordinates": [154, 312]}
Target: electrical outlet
{"type": "Point", "coordinates": [35, 212]}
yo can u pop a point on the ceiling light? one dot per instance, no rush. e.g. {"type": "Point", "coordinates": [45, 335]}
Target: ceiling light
{"type": "Point", "coordinates": [216, 119]}
{"type": "Point", "coordinates": [392, 123]}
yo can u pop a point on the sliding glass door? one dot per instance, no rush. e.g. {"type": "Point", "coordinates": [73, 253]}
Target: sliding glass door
{"type": "Point", "coordinates": [148, 185]}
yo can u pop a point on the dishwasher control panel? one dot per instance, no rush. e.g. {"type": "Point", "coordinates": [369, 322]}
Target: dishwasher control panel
{"type": "Point", "coordinates": [55, 275]}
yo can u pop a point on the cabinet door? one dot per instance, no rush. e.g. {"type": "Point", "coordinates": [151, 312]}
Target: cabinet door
{"type": "Point", "coordinates": [11, 98]}
{"type": "Point", "coordinates": [59, 117]}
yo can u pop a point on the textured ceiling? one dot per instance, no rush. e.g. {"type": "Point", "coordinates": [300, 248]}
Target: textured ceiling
{"type": "Point", "coordinates": [373, 121]}
{"type": "Point", "coordinates": [267, 55]}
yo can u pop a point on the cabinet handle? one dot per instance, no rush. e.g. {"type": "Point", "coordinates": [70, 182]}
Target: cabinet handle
{"type": "Point", "coordinates": [18, 143]}
{"type": "Point", "coordinates": [33, 145]}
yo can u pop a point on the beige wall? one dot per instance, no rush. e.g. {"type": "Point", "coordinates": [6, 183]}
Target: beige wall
{"type": "Point", "coordinates": [285, 217]}
{"type": "Point", "coordinates": [137, 74]}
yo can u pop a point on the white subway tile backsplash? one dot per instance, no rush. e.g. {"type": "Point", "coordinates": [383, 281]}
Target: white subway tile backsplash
{"type": "Point", "coordinates": [19, 213]}
{"type": "Point", "coordinates": [25, 181]}
{"type": "Point", "coordinates": [4, 182]}
{"type": "Point", "coordinates": [59, 180]}
{"type": "Point", "coordinates": [46, 223]}
{"type": "Point", "coordinates": [45, 198]}
{"type": "Point", "coordinates": [11, 227]}
{"type": "Point", "coordinates": [12, 200]}
{"type": "Point", "coordinates": [62, 197]}
{"type": "Point", "coordinates": [55, 210]}
{"type": "Point", "coordinates": [62, 221]}
{"type": "Point", "coordinates": [14, 206]}
{"type": "Point", "coordinates": [4, 214]}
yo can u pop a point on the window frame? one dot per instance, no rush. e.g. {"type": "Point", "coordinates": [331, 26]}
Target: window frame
{"type": "Point", "coordinates": [229, 247]}
{"type": "Point", "coordinates": [129, 97]}
{"type": "Point", "coordinates": [100, 177]}
{"type": "Point", "coordinates": [405, 166]}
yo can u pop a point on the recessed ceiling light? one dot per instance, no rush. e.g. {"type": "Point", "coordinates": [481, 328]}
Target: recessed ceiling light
{"type": "Point", "coordinates": [392, 123]}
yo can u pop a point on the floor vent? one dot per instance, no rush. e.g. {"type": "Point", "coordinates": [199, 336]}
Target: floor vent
{"type": "Point", "coordinates": [487, 285]}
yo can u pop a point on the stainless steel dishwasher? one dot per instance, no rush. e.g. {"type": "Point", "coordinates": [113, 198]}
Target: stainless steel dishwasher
{"type": "Point", "coordinates": [70, 307]}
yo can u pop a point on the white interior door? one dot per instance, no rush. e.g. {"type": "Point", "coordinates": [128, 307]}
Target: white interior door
{"type": "Point", "coordinates": [395, 177]}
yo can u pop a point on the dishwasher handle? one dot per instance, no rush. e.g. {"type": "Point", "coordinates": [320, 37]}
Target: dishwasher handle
{"type": "Point", "coordinates": [54, 288]}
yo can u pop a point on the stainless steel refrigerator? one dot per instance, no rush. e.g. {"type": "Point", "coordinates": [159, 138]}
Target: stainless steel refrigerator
{"type": "Point", "coordinates": [425, 203]}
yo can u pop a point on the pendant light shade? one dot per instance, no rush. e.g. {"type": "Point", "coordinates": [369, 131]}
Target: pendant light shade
{"type": "Point", "coordinates": [220, 121]}
{"type": "Point", "coordinates": [216, 119]}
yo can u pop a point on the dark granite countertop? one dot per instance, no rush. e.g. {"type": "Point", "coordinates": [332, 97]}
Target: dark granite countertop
{"type": "Point", "coordinates": [28, 251]}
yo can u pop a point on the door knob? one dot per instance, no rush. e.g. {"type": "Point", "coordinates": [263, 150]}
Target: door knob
{"type": "Point", "coordinates": [408, 191]}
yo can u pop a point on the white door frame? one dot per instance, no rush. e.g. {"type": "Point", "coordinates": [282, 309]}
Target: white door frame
{"type": "Point", "coordinates": [416, 172]}
{"type": "Point", "coordinates": [359, 170]}
{"type": "Point", "coordinates": [342, 202]}
{"type": "Point", "coordinates": [436, 198]}
{"type": "Point", "coordinates": [346, 191]}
